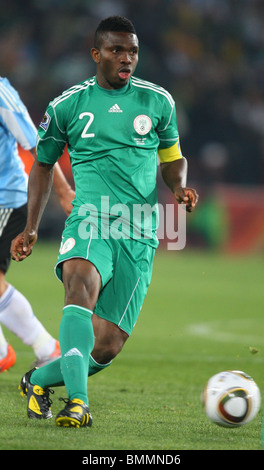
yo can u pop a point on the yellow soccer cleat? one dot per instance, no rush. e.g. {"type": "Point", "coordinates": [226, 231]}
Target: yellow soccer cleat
{"type": "Point", "coordinates": [39, 403]}
{"type": "Point", "coordinates": [75, 414]}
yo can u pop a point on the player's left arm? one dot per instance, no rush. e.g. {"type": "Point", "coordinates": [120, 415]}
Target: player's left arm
{"type": "Point", "coordinates": [173, 165]}
{"type": "Point", "coordinates": [174, 174]}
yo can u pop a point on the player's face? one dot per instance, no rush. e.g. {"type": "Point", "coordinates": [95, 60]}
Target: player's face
{"type": "Point", "coordinates": [116, 59]}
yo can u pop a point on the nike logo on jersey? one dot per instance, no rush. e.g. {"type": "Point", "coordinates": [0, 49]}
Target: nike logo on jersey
{"type": "Point", "coordinates": [115, 109]}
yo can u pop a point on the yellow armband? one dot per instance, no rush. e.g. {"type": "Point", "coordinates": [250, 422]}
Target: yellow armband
{"type": "Point", "coordinates": [171, 153]}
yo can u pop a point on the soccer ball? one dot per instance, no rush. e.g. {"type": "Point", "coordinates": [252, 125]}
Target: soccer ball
{"type": "Point", "coordinates": [231, 398]}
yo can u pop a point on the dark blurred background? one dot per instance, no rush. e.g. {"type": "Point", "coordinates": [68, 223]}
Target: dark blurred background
{"type": "Point", "coordinates": [208, 53]}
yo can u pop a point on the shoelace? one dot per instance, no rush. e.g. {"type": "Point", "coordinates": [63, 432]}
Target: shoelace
{"type": "Point", "coordinates": [68, 401]}
{"type": "Point", "coordinates": [47, 402]}
{"type": "Point", "coordinates": [65, 400]}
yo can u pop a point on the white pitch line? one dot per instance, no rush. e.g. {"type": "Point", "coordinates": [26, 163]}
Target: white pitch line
{"type": "Point", "coordinates": [215, 332]}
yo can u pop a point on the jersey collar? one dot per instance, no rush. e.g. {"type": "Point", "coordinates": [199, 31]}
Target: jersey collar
{"type": "Point", "coordinates": [117, 91]}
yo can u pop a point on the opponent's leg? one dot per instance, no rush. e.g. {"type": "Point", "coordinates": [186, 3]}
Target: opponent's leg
{"type": "Point", "coordinates": [15, 311]}
{"type": "Point", "coordinates": [17, 315]}
{"type": "Point", "coordinates": [7, 353]}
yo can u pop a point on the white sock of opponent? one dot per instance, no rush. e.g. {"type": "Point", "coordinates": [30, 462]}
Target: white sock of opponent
{"type": "Point", "coordinates": [17, 315]}
{"type": "Point", "coordinates": [3, 345]}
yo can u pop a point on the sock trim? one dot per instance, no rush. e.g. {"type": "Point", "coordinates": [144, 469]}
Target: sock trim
{"type": "Point", "coordinates": [7, 297]}
{"type": "Point", "coordinates": [98, 363]}
{"type": "Point", "coordinates": [78, 307]}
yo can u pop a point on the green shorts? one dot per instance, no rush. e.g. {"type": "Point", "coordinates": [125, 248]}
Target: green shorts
{"type": "Point", "coordinates": [125, 267]}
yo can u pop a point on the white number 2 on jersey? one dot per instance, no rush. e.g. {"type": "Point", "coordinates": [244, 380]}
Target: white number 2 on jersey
{"type": "Point", "coordinates": [90, 120]}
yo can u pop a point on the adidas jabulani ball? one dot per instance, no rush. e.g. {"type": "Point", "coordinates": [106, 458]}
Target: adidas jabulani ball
{"type": "Point", "coordinates": [231, 398]}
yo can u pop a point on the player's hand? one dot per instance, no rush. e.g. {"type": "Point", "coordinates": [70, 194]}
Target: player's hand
{"type": "Point", "coordinates": [22, 245]}
{"type": "Point", "coordinates": [187, 196]}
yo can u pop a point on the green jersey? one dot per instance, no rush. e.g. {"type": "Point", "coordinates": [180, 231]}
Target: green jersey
{"type": "Point", "coordinates": [113, 137]}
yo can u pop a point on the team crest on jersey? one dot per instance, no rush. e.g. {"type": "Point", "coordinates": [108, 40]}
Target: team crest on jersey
{"type": "Point", "coordinates": [67, 246]}
{"type": "Point", "coordinates": [45, 122]}
{"type": "Point", "coordinates": [142, 124]}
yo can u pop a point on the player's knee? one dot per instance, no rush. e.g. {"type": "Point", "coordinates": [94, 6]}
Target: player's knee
{"type": "Point", "coordinates": [103, 356]}
{"type": "Point", "coordinates": [105, 350]}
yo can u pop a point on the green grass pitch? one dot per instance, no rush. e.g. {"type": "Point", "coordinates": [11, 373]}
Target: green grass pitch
{"type": "Point", "coordinates": [203, 314]}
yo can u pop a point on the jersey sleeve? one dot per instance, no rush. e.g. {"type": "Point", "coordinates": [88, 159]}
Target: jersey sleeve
{"type": "Point", "coordinates": [168, 129]}
{"type": "Point", "coordinates": [52, 136]}
{"type": "Point", "coordinates": [15, 118]}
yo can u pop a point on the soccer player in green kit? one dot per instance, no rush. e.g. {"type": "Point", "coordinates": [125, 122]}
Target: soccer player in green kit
{"type": "Point", "coordinates": [114, 124]}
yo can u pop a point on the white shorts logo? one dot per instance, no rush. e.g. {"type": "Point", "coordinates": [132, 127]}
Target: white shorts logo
{"type": "Point", "coordinates": [142, 124]}
{"type": "Point", "coordinates": [67, 245]}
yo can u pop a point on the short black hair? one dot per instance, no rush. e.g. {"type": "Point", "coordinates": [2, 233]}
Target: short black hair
{"type": "Point", "coordinates": [112, 23]}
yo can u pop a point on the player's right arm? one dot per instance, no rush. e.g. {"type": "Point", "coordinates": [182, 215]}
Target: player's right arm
{"type": "Point", "coordinates": [50, 146]}
{"type": "Point", "coordinates": [63, 189]}
{"type": "Point", "coordinates": [39, 187]}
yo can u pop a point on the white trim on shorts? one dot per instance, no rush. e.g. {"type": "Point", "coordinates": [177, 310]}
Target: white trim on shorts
{"type": "Point", "coordinates": [129, 301]}
{"type": "Point", "coordinates": [4, 218]}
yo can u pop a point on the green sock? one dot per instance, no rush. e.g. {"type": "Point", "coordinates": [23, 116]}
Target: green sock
{"type": "Point", "coordinates": [49, 375]}
{"type": "Point", "coordinates": [76, 341]}
{"type": "Point", "coordinates": [95, 367]}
